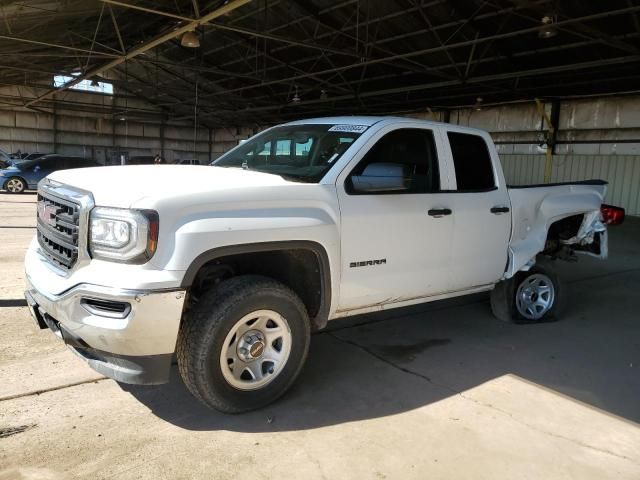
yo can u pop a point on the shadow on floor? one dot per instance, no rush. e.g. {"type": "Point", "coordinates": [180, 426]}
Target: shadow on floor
{"type": "Point", "coordinates": [388, 363]}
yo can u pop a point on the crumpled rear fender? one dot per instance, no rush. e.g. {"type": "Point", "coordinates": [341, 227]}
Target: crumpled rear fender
{"type": "Point", "coordinates": [536, 209]}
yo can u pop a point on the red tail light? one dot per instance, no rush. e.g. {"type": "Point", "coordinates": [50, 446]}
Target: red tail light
{"type": "Point", "coordinates": [612, 215]}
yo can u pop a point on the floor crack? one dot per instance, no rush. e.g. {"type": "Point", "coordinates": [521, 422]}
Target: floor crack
{"type": "Point", "coordinates": [52, 389]}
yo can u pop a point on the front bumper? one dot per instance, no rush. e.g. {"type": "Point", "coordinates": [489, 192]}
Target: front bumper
{"type": "Point", "coordinates": [133, 343]}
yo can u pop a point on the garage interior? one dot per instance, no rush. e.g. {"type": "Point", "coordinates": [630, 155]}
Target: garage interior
{"type": "Point", "coordinates": [441, 390]}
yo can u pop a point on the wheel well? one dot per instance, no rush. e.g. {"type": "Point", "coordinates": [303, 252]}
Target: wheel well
{"type": "Point", "coordinates": [562, 229]}
{"type": "Point", "coordinates": [19, 178]}
{"type": "Point", "coordinates": [303, 270]}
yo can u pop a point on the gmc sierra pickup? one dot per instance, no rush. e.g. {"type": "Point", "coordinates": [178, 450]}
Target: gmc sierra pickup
{"type": "Point", "coordinates": [230, 267]}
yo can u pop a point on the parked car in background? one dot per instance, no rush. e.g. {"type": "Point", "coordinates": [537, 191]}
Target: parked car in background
{"type": "Point", "coordinates": [188, 161]}
{"type": "Point", "coordinates": [7, 160]}
{"type": "Point", "coordinates": [32, 156]}
{"type": "Point", "coordinates": [141, 160]}
{"type": "Point", "coordinates": [25, 174]}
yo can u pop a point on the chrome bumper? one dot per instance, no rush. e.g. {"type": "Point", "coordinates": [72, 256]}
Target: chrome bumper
{"type": "Point", "coordinates": [127, 335]}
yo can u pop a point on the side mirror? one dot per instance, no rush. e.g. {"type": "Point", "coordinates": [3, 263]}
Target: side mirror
{"type": "Point", "coordinates": [382, 177]}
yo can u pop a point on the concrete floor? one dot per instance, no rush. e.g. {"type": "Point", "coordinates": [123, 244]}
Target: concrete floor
{"type": "Point", "coordinates": [436, 391]}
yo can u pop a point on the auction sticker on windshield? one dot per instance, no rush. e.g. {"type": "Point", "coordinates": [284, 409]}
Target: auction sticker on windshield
{"type": "Point", "coordinates": [348, 128]}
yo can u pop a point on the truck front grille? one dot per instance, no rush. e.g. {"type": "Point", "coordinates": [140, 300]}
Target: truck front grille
{"type": "Point", "coordinates": [58, 229]}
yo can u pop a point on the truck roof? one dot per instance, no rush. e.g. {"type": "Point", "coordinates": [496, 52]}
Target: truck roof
{"type": "Point", "coordinates": [371, 120]}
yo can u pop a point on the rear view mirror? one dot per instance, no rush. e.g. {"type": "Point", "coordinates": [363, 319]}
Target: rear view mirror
{"type": "Point", "coordinates": [382, 177]}
{"type": "Point", "coordinates": [301, 139]}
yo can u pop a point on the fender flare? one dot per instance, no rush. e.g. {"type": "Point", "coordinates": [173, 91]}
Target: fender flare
{"type": "Point", "coordinates": [320, 252]}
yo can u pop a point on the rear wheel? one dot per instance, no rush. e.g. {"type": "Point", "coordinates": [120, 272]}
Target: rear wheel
{"type": "Point", "coordinates": [535, 296]}
{"type": "Point", "coordinates": [243, 344]}
{"type": "Point", "coordinates": [15, 185]}
{"type": "Point", "coordinates": [529, 297]}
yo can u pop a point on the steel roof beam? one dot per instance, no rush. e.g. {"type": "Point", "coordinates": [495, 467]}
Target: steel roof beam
{"type": "Point", "coordinates": [243, 31]}
{"type": "Point", "coordinates": [56, 45]}
{"type": "Point", "coordinates": [396, 37]}
{"type": "Point", "coordinates": [232, 5]}
{"type": "Point", "coordinates": [426, 51]}
{"type": "Point", "coordinates": [480, 79]}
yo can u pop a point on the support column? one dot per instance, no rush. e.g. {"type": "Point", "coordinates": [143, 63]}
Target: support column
{"type": "Point", "coordinates": [55, 126]}
{"type": "Point", "coordinates": [555, 121]}
{"type": "Point", "coordinates": [162, 140]}
{"type": "Point", "coordinates": [550, 135]}
{"type": "Point", "coordinates": [210, 145]}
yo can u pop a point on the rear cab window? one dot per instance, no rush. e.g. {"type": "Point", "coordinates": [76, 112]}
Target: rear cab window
{"type": "Point", "coordinates": [472, 162]}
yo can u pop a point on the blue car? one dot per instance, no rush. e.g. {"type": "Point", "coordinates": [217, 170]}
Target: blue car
{"type": "Point", "coordinates": [25, 174]}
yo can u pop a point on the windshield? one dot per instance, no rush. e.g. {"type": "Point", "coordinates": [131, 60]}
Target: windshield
{"type": "Point", "coordinates": [298, 152]}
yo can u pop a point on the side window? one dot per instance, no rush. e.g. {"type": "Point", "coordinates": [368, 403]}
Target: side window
{"type": "Point", "coordinates": [50, 163]}
{"type": "Point", "coordinates": [412, 148]}
{"type": "Point", "coordinates": [471, 161]}
{"type": "Point", "coordinates": [266, 150]}
{"type": "Point", "coordinates": [302, 149]}
{"type": "Point", "coordinates": [72, 162]}
{"type": "Point", "coordinates": [283, 148]}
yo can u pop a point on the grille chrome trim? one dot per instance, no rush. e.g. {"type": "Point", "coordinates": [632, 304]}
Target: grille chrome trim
{"type": "Point", "coordinates": [64, 241]}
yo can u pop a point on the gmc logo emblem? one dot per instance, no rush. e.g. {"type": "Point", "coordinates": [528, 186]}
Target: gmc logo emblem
{"type": "Point", "coordinates": [47, 213]}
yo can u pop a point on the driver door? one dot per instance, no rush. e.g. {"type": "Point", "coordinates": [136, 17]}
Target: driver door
{"type": "Point", "coordinates": [393, 247]}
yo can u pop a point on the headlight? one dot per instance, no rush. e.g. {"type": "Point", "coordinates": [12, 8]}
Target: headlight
{"type": "Point", "coordinates": [123, 235]}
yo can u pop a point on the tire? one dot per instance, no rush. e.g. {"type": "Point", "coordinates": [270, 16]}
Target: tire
{"type": "Point", "coordinates": [534, 296]}
{"type": "Point", "coordinates": [15, 185]}
{"type": "Point", "coordinates": [211, 356]}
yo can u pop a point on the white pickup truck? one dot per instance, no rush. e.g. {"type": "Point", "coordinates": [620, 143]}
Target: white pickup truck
{"type": "Point", "coordinates": [230, 267]}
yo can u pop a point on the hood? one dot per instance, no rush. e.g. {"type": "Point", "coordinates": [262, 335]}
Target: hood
{"type": "Point", "coordinates": [122, 186]}
{"type": "Point", "coordinates": [9, 169]}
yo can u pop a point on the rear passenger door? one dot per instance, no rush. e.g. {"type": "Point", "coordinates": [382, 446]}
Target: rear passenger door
{"type": "Point", "coordinates": [480, 204]}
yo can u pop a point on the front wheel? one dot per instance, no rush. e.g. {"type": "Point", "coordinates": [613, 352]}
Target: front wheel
{"type": "Point", "coordinates": [243, 344]}
{"type": "Point", "coordinates": [529, 297]}
{"type": "Point", "coordinates": [15, 185]}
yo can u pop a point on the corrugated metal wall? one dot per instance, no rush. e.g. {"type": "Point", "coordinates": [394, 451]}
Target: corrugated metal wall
{"type": "Point", "coordinates": [621, 171]}
{"type": "Point", "coordinates": [98, 138]}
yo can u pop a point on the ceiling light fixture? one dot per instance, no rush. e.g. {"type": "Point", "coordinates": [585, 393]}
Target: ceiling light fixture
{"type": "Point", "coordinates": [548, 29]}
{"type": "Point", "coordinates": [323, 95]}
{"type": "Point", "coordinates": [296, 97]}
{"type": "Point", "coordinates": [478, 104]}
{"type": "Point", "coordinates": [190, 40]}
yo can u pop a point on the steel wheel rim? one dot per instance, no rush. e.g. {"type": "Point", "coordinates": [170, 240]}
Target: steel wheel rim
{"type": "Point", "coordinates": [535, 296]}
{"type": "Point", "coordinates": [14, 185]}
{"type": "Point", "coordinates": [255, 350]}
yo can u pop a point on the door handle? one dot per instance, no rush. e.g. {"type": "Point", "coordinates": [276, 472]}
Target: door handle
{"type": "Point", "coordinates": [439, 212]}
{"type": "Point", "coordinates": [499, 210]}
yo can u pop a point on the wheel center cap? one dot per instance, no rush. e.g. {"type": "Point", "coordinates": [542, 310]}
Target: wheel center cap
{"type": "Point", "coordinates": [251, 345]}
{"type": "Point", "coordinates": [256, 349]}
